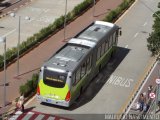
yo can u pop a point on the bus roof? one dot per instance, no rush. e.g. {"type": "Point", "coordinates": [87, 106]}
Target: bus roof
{"type": "Point", "coordinates": [96, 31]}
{"type": "Point", "coordinates": [67, 58]}
{"type": "Point", "coordinates": [70, 55]}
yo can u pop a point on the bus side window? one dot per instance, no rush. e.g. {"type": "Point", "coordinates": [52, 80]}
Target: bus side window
{"type": "Point", "coordinates": [83, 69]}
{"type": "Point", "coordinates": [107, 45]}
{"type": "Point", "coordinates": [78, 75]}
{"type": "Point", "coordinates": [89, 63]}
{"type": "Point", "coordinates": [99, 52]}
{"type": "Point", "coordinates": [103, 49]}
{"type": "Point", "coordinates": [110, 41]}
{"type": "Point", "coordinates": [73, 79]}
{"type": "Point", "coordinates": [114, 38]}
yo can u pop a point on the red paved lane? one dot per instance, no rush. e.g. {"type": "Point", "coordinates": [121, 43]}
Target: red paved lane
{"type": "Point", "coordinates": [37, 56]}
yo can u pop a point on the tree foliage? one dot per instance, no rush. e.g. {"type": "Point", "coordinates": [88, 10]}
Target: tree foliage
{"type": "Point", "coordinates": [154, 38]}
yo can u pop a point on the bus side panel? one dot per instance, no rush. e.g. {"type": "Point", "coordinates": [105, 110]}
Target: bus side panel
{"type": "Point", "coordinates": [104, 60]}
{"type": "Point", "coordinates": [106, 57]}
{"type": "Point", "coordinates": [82, 84]}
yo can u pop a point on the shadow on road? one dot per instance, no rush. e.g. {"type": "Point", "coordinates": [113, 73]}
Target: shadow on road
{"type": "Point", "coordinates": [98, 82]}
{"type": "Point", "coordinates": [29, 109]}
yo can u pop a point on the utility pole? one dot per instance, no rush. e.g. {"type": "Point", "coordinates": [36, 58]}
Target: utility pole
{"type": "Point", "coordinates": [65, 18]}
{"type": "Point", "coordinates": [3, 39]}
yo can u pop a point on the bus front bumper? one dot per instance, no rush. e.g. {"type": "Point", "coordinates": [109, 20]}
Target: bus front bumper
{"type": "Point", "coordinates": [53, 101]}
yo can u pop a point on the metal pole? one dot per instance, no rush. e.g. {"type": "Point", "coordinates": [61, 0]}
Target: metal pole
{"type": "Point", "coordinates": [65, 20]}
{"type": "Point", "coordinates": [94, 2]}
{"type": "Point", "coordinates": [19, 23]}
{"type": "Point", "coordinates": [155, 100]}
{"type": "Point", "coordinates": [157, 90]}
{"type": "Point", "coordinates": [4, 72]}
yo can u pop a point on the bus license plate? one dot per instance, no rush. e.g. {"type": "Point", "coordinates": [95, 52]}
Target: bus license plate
{"type": "Point", "coordinates": [49, 100]}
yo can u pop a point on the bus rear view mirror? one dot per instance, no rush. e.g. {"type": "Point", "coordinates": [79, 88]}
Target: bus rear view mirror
{"type": "Point", "coordinates": [120, 32]}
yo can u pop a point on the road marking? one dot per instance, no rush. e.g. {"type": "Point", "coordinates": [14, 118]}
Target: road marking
{"type": "Point", "coordinates": [126, 46]}
{"type": "Point", "coordinates": [39, 9]}
{"type": "Point", "coordinates": [120, 81]}
{"type": "Point", "coordinates": [136, 34]}
{"type": "Point", "coordinates": [9, 33]}
{"type": "Point", "coordinates": [140, 89]}
{"type": "Point", "coordinates": [145, 24]}
{"type": "Point", "coordinates": [17, 114]}
{"type": "Point", "coordinates": [122, 109]}
{"type": "Point", "coordinates": [28, 116]}
{"type": "Point", "coordinates": [45, 19]}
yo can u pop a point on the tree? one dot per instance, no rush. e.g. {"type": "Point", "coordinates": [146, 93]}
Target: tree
{"type": "Point", "coordinates": [154, 38]}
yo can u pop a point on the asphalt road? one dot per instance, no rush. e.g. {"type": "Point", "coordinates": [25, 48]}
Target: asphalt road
{"type": "Point", "coordinates": [113, 88]}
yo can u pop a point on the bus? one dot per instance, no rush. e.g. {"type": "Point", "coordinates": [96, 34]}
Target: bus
{"type": "Point", "coordinates": [68, 72]}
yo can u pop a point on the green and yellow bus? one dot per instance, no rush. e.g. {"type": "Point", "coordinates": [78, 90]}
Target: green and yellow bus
{"type": "Point", "coordinates": [68, 72]}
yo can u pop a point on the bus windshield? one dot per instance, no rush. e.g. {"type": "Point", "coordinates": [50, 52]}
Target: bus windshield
{"type": "Point", "coordinates": [54, 79]}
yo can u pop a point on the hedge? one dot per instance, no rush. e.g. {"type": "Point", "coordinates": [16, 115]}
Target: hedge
{"type": "Point", "coordinates": [114, 14]}
{"type": "Point", "coordinates": [30, 86]}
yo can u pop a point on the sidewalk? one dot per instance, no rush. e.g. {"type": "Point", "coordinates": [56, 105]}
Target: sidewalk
{"type": "Point", "coordinates": [152, 76]}
{"type": "Point", "coordinates": [41, 53]}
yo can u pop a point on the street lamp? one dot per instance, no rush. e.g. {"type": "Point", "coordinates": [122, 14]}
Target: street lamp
{"type": "Point", "coordinates": [65, 19]}
{"type": "Point", "coordinates": [3, 39]}
{"type": "Point", "coordinates": [19, 30]}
